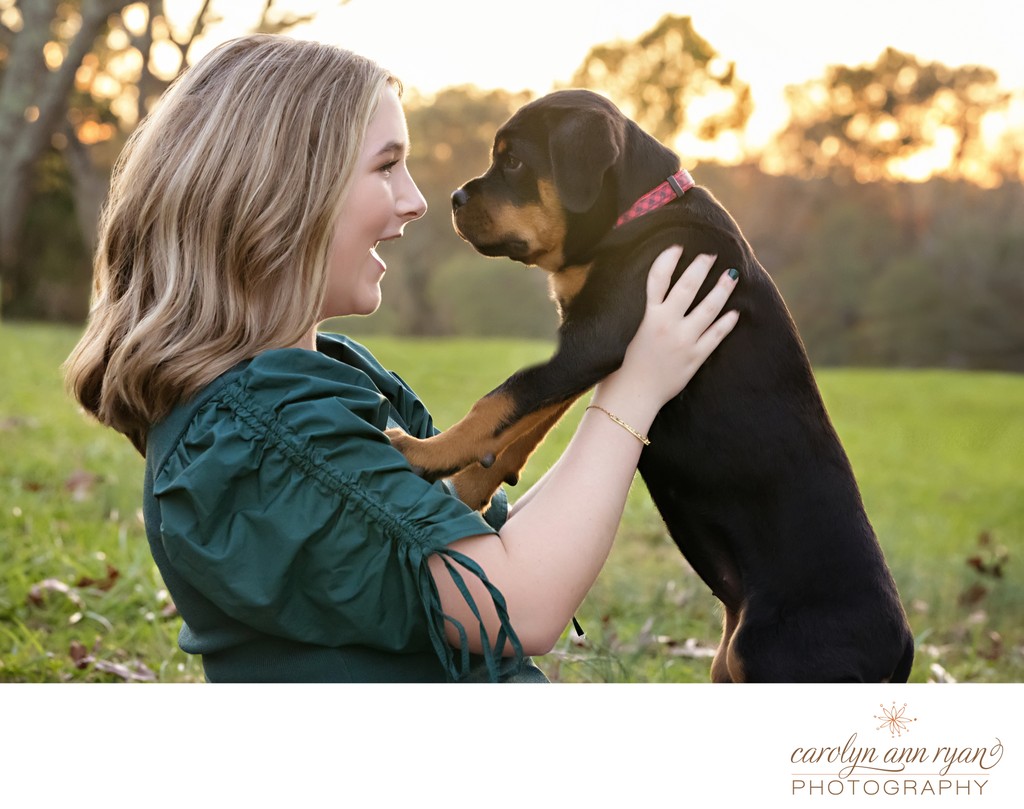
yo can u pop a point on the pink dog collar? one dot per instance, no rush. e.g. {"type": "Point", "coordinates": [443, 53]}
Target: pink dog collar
{"type": "Point", "coordinates": [673, 188]}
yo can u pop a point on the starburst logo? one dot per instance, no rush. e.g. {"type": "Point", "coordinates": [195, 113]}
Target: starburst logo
{"type": "Point", "coordinates": [895, 719]}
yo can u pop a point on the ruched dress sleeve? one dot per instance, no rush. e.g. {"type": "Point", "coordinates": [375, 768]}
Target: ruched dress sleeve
{"type": "Point", "coordinates": [283, 503]}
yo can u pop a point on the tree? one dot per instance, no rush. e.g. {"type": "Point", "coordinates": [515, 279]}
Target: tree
{"type": "Point", "coordinates": [897, 118]}
{"type": "Point", "coordinates": [672, 83]}
{"type": "Point", "coordinates": [76, 76]}
{"type": "Point", "coordinates": [38, 76]}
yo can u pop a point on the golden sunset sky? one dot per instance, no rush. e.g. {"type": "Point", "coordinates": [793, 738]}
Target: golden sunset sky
{"type": "Point", "coordinates": [536, 44]}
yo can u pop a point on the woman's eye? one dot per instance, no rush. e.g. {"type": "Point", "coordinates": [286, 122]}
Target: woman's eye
{"type": "Point", "coordinates": [387, 167]}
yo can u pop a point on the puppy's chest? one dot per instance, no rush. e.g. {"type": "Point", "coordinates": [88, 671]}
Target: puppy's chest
{"type": "Point", "coordinates": [565, 284]}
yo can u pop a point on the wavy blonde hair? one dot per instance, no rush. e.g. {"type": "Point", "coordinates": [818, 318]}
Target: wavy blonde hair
{"type": "Point", "coordinates": [214, 239]}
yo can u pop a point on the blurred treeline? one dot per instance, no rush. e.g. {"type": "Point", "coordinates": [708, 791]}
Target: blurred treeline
{"type": "Point", "coordinates": [890, 210]}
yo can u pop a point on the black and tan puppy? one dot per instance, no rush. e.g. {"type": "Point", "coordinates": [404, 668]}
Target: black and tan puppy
{"type": "Point", "coordinates": [744, 465]}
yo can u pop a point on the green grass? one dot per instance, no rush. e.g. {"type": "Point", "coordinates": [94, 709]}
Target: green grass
{"type": "Point", "coordinates": [939, 456]}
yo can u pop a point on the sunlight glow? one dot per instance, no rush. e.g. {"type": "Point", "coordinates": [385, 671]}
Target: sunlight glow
{"type": "Point", "coordinates": [921, 165]}
{"type": "Point", "coordinates": [92, 132]}
{"type": "Point", "coordinates": [11, 18]}
{"type": "Point", "coordinates": [165, 60]}
{"type": "Point", "coordinates": [136, 18]}
{"type": "Point", "coordinates": [53, 53]}
{"type": "Point", "coordinates": [769, 56]}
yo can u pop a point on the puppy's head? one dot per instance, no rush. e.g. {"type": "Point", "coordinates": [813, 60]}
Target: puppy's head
{"type": "Point", "coordinates": [545, 192]}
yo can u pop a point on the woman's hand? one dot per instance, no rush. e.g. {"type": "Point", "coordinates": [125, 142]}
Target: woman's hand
{"type": "Point", "coordinates": [670, 345]}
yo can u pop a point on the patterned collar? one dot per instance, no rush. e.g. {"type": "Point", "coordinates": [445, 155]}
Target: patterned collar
{"type": "Point", "coordinates": [673, 188]}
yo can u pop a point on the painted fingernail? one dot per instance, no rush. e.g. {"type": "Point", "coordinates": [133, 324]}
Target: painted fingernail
{"type": "Point", "coordinates": [734, 274]}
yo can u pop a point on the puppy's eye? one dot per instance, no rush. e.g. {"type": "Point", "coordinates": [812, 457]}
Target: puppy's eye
{"type": "Point", "coordinates": [511, 163]}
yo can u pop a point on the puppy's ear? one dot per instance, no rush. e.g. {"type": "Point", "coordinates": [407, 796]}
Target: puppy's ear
{"type": "Point", "coordinates": [583, 146]}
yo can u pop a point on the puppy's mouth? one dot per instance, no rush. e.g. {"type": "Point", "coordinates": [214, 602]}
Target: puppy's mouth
{"type": "Point", "coordinates": [493, 243]}
{"type": "Point", "coordinates": [509, 246]}
{"type": "Point", "coordinates": [517, 249]}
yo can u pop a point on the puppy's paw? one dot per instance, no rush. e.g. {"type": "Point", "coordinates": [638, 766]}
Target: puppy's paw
{"type": "Point", "coordinates": [405, 444]}
{"type": "Point", "coordinates": [475, 486]}
{"type": "Point", "coordinates": [428, 457]}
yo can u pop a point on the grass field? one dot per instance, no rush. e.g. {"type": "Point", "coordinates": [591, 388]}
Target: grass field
{"type": "Point", "coordinates": [939, 456]}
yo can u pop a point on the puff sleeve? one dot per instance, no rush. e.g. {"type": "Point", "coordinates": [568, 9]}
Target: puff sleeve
{"type": "Point", "coordinates": [284, 504]}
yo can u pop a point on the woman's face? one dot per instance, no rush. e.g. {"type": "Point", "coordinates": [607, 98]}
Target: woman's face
{"type": "Point", "coordinates": [382, 199]}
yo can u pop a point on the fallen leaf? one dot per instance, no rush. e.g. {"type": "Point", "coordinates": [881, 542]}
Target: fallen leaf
{"type": "Point", "coordinates": [691, 648]}
{"type": "Point", "coordinates": [106, 583]}
{"type": "Point", "coordinates": [940, 675]}
{"type": "Point", "coordinates": [139, 672]}
{"type": "Point", "coordinates": [83, 658]}
{"type": "Point", "coordinates": [171, 611]}
{"type": "Point", "coordinates": [995, 647]}
{"type": "Point", "coordinates": [37, 592]}
{"type": "Point", "coordinates": [991, 559]}
{"type": "Point", "coordinates": [80, 655]}
{"type": "Point", "coordinates": [973, 595]}
{"type": "Point", "coordinates": [80, 484]}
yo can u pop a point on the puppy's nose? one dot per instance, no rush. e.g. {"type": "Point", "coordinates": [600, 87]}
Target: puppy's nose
{"type": "Point", "coordinates": [459, 198]}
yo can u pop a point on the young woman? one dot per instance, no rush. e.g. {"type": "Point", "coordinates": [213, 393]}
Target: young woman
{"type": "Point", "coordinates": [297, 543]}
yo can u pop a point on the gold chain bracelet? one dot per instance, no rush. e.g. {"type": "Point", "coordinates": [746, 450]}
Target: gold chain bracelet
{"type": "Point", "coordinates": [640, 436]}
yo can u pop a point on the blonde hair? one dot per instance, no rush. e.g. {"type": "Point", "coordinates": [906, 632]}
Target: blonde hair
{"type": "Point", "coordinates": [214, 240]}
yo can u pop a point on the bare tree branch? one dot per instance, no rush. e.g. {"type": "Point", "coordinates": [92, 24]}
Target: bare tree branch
{"type": "Point", "coordinates": [52, 101]}
{"type": "Point", "coordinates": [89, 184]}
{"type": "Point", "coordinates": [144, 44]}
{"type": "Point", "coordinates": [32, 102]}
{"type": "Point", "coordinates": [198, 24]}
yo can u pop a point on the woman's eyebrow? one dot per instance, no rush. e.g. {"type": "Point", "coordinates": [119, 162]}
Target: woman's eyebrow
{"type": "Point", "coordinates": [393, 146]}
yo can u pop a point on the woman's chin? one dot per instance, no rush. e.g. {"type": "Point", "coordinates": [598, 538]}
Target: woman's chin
{"type": "Point", "coordinates": [365, 305]}
{"type": "Point", "coordinates": [370, 305]}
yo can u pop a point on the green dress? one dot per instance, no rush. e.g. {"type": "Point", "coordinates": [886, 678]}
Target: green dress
{"type": "Point", "coordinates": [294, 538]}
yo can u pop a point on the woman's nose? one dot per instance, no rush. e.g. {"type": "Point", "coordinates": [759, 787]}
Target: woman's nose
{"type": "Point", "coordinates": [412, 204]}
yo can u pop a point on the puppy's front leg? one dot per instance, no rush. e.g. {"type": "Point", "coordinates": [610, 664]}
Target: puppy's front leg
{"type": "Point", "coordinates": [471, 440]}
{"type": "Point", "coordinates": [598, 324]}
{"type": "Point", "coordinates": [516, 407]}
{"type": "Point", "coordinates": [475, 485]}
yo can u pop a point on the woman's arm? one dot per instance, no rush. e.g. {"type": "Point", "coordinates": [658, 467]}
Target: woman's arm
{"type": "Point", "coordinates": [551, 549]}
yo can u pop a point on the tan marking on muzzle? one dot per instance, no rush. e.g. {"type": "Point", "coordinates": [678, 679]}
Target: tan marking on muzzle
{"type": "Point", "coordinates": [540, 226]}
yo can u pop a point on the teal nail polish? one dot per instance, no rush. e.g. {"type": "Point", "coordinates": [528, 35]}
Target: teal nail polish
{"type": "Point", "coordinates": [734, 274]}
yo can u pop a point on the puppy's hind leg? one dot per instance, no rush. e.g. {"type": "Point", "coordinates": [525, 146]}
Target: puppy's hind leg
{"type": "Point", "coordinates": [725, 667]}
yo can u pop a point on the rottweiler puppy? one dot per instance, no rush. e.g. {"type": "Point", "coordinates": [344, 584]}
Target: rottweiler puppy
{"type": "Point", "coordinates": [744, 465]}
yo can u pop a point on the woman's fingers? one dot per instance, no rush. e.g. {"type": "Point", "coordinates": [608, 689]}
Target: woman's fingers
{"type": "Point", "coordinates": [716, 332]}
{"type": "Point", "coordinates": [681, 296]}
{"type": "Point", "coordinates": [705, 313]}
{"type": "Point", "coordinates": [704, 320]}
{"type": "Point", "coordinates": [670, 345]}
{"type": "Point", "coordinates": [660, 274]}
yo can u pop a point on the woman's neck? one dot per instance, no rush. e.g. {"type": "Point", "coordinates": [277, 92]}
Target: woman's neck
{"type": "Point", "coordinates": [307, 341]}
